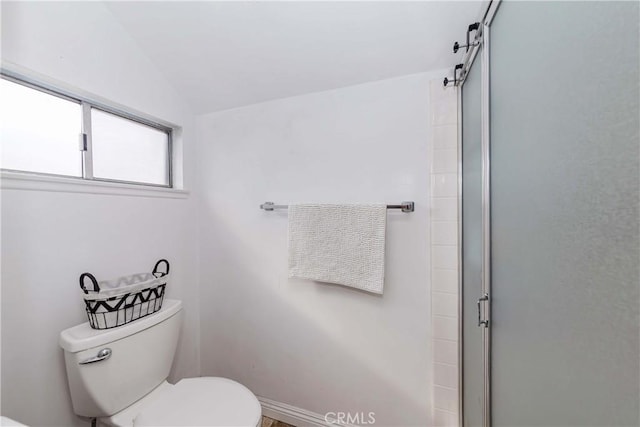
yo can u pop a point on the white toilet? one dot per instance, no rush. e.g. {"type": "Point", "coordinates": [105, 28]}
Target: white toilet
{"type": "Point", "coordinates": [119, 377]}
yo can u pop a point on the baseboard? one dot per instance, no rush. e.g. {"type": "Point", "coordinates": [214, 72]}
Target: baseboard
{"type": "Point", "coordinates": [293, 415]}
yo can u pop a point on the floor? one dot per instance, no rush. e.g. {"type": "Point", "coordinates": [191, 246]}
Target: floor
{"type": "Point", "coordinates": [269, 422]}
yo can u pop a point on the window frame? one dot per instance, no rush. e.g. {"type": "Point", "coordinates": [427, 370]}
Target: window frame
{"type": "Point", "coordinates": [85, 137]}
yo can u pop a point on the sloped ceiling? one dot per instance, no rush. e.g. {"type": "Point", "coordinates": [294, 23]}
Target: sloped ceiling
{"type": "Point", "coordinates": [222, 55]}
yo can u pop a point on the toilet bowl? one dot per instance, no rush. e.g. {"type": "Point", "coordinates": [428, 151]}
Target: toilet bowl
{"type": "Point", "coordinates": [118, 376]}
{"type": "Point", "coordinates": [204, 401]}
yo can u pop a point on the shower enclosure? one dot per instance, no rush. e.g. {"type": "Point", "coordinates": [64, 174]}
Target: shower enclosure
{"type": "Point", "coordinates": [550, 216]}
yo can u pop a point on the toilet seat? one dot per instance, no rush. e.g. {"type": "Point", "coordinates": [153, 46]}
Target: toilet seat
{"type": "Point", "coordinates": [204, 401]}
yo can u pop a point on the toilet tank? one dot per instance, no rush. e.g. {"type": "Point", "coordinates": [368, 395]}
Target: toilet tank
{"type": "Point", "coordinates": [140, 359]}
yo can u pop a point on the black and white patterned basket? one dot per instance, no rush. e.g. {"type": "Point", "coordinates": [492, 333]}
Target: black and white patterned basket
{"type": "Point", "coordinates": [113, 303]}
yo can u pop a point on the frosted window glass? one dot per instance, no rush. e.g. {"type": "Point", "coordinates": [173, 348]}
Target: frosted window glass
{"type": "Point", "coordinates": [125, 150]}
{"type": "Point", "coordinates": [38, 132]}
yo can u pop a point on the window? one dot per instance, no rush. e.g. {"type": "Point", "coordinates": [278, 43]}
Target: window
{"type": "Point", "coordinates": [128, 151]}
{"type": "Point", "coordinates": [39, 131]}
{"type": "Point", "coordinates": [45, 131]}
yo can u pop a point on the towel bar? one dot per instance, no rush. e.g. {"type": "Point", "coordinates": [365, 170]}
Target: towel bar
{"type": "Point", "coordinates": [404, 206]}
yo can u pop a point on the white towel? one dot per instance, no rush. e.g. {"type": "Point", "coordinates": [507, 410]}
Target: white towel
{"type": "Point", "coordinates": [342, 244]}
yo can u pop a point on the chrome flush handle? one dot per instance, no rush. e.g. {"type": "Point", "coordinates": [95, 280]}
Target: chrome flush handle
{"type": "Point", "coordinates": [484, 323]}
{"type": "Point", "coordinates": [103, 354]}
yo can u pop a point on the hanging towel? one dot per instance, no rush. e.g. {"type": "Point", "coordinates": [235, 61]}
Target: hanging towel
{"type": "Point", "coordinates": [342, 244]}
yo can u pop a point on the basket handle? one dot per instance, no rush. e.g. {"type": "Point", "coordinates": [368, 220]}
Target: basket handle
{"type": "Point", "coordinates": [155, 268]}
{"type": "Point", "coordinates": [96, 288]}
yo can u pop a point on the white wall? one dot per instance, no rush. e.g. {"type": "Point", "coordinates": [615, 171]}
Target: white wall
{"type": "Point", "coordinates": [49, 238]}
{"type": "Point", "coordinates": [317, 346]}
{"type": "Point", "coordinates": [444, 253]}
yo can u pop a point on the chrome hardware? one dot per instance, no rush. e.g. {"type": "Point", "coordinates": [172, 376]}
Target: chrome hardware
{"type": "Point", "coordinates": [404, 206]}
{"type": "Point", "coordinates": [484, 323]}
{"type": "Point", "coordinates": [457, 46]}
{"type": "Point", "coordinates": [268, 206]}
{"type": "Point", "coordinates": [103, 354]}
{"type": "Point", "coordinates": [470, 43]}
{"type": "Point", "coordinates": [82, 142]}
{"type": "Point", "coordinates": [455, 76]}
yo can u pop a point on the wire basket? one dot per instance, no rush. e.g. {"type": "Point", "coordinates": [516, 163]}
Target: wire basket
{"type": "Point", "coordinates": [113, 303]}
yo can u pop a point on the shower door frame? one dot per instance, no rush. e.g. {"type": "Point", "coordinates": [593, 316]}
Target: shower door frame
{"type": "Point", "coordinates": [483, 37]}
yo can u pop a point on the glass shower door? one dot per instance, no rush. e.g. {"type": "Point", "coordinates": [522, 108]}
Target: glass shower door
{"type": "Point", "coordinates": [565, 214]}
{"type": "Point", "coordinates": [472, 350]}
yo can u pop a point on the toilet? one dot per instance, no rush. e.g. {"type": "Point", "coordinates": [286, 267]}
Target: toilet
{"type": "Point", "coordinates": [119, 377]}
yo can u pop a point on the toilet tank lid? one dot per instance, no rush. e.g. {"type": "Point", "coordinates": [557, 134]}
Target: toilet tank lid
{"type": "Point", "coordinates": [83, 337]}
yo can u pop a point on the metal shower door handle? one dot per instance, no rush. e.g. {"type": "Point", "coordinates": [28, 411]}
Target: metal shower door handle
{"type": "Point", "coordinates": [103, 354]}
{"type": "Point", "coordinates": [484, 323]}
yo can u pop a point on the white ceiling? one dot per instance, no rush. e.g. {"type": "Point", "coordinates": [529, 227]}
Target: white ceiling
{"type": "Point", "coordinates": [222, 55]}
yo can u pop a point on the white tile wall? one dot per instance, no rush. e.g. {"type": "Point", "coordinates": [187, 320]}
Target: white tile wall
{"type": "Point", "coordinates": [445, 374]}
{"type": "Point", "coordinates": [444, 184]}
{"type": "Point", "coordinates": [444, 280]}
{"type": "Point", "coordinates": [444, 160]}
{"type": "Point", "coordinates": [444, 232]}
{"type": "Point", "coordinates": [445, 398]}
{"type": "Point", "coordinates": [444, 254]}
{"type": "Point", "coordinates": [445, 136]}
{"type": "Point", "coordinates": [444, 113]}
{"type": "Point", "coordinates": [443, 208]}
{"type": "Point", "coordinates": [444, 418]}
{"type": "Point", "coordinates": [444, 351]}
{"type": "Point", "coordinates": [444, 304]}
{"type": "Point", "coordinates": [446, 328]}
